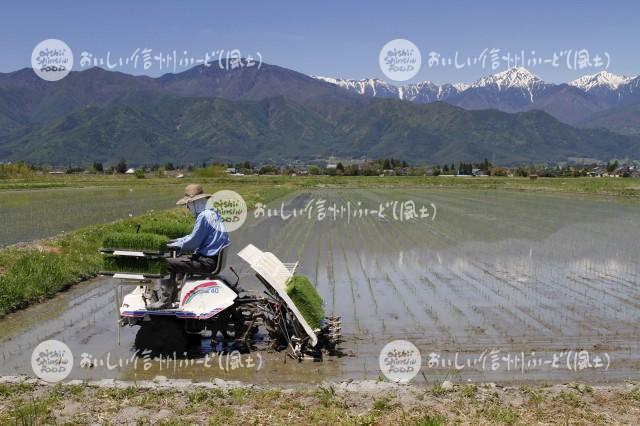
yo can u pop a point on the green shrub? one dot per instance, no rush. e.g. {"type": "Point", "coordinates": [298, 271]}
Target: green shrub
{"type": "Point", "coordinates": [135, 241]}
{"type": "Point", "coordinates": [307, 300]}
{"type": "Point", "coordinates": [15, 170]}
{"type": "Point", "coordinates": [213, 170]}
{"type": "Point", "coordinates": [136, 265]}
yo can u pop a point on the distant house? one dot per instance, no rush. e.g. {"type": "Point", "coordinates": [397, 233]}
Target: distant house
{"type": "Point", "coordinates": [231, 170]}
{"type": "Point", "coordinates": [533, 177]}
{"type": "Point", "coordinates": [597, 172]}
{"type": "Point", "coordinates": [332, 166]}
{"type": "Point", "coordinates": [130, 171]}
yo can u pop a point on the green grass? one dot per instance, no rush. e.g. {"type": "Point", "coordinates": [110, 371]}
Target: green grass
{"type": "Point", "coordinates": [307, 300]}
{"type": "Point", "coordinates": [135, 241]}
{"type": "Point", "coordinates": [15, 389]}
{"type": "Point", "coordinates": [431, 420]}
{"type": "Point", "coordinates": [384, 403]}
{"type": "Point", "coordinates": [140, 265]}
{"type": "Point", "coordinates": [469, 390]}
{"type": "Point", "coordinates": [439, 390]}
{"type": "Point", "coordinates": [118, 394]}
{"type": "Point", "coordinates": [634, 394]}
{"type": "Point", "coordinates": [35, 276]}
{"type": "Point", "coordinates": [498, 413]}
{"type": "Point", "coordinates": [572, 399]}
{"type": "Point", "coordinates": [327, 396]}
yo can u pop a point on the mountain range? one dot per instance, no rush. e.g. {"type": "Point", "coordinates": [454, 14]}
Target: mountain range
{"type": "Point", "coordinates": [273, 114]}
{"type": "Point", "coordinates": [602, 100]}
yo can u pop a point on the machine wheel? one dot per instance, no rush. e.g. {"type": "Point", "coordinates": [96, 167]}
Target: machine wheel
{"type": "Point", "coordinates": [162, 336]}
{"type": "Point", "coordinates": [194, 340]}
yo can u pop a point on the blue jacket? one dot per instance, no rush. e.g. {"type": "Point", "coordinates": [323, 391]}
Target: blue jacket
{"type": "Point", "coordinates": [208, 237]}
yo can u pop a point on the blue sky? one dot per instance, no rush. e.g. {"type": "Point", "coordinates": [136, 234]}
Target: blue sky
{"type": "Point", "coordinates": [332, 38]}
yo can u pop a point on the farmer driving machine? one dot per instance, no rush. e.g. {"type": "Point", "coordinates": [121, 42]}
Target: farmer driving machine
{"type": "Point", "coordinates": [288, 314]}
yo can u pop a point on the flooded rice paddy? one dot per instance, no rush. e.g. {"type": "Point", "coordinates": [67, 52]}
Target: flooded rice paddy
{"type": "Point", "coordinates": [34, 214]}
{"type": "Point", "coordinates": [500, 286]}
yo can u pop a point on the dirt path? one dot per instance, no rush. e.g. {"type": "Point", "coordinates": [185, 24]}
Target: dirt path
{"type": "Point", "coordinates": [163, 401]}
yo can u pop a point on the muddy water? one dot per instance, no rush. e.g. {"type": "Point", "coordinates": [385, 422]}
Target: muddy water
{"type": "Point", "coordinates": [501, 286]}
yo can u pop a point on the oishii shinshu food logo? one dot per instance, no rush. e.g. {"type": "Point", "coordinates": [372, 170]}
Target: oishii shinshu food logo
{"type": "Point", "coordinates": [52, 59]}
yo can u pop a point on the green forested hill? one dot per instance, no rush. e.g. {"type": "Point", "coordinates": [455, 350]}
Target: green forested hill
{"type": "Point", "coordinates": [267, 115]}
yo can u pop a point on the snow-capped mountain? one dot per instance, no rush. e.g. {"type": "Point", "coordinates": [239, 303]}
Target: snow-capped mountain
{"type": "Point", "coordinates": [518, 79]}
{"type": "Point", "coordinates": [511, 90]}
{"type": "Point", "coordinates": [426, 91]}
{"type": "Point", "coordinates": [629, 93]}
{"type": "Point", "coordinates": [513, 77]}
{"type": "Point", "coordinates": [514, 90]}
{"type": "Point", "coordinates": [615, 90]}
{"type": "Point", "coordinates": [422, 92]}
{"type": "Point", "coordinates": [369, 87]}
{"type": "Point", "coordinates": [603, 79]}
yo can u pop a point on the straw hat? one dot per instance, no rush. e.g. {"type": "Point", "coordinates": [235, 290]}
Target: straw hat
{"type": "Point", "coordinates": [192, 192]}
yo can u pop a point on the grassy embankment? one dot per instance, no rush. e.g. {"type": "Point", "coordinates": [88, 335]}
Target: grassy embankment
{"type": "Point", "coordinates": [626, 187]}
{"type": "Point", "coordinates": [32, 272]}
{"type": "Point", "coordinates": [28, 403]}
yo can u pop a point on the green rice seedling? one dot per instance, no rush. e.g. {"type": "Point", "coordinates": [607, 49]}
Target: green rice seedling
{"type": "Point", "coordinates": [166, 228]}
{"type": "Point", "coordinates": [135, 241]}
{"type": "Point", "coordinates": [141, 265]}
{"type": "Point", "coordinates": [307, 300]}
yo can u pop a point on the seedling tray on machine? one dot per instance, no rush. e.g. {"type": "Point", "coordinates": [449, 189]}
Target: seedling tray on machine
{"type": "Point", "coordinates": [132, 264]}
{"type": "Point", "coordinates": [133, 252]}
